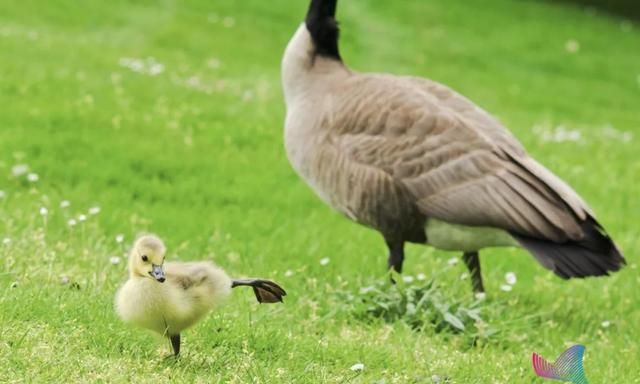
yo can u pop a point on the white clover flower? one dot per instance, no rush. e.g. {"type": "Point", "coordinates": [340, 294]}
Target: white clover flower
{"type": "Point", "coordinates": [407, 278]}
{"type": "Point", "coordinates": [82, 218]}
{"type": "Point", "coordinates": [19, 169]}
{"type": "Point", "coordinates": [506, 287]}
{"type": "Point", "coordinates": [213, 63]}
{"type": "Point", "coordinates": [155, 68]}
{"type": "Point", "coordinates": [453, 261]}
{"type": "Point", "coordinates": [510, 278]}
{"type": "Point", "coordinates": [421, 276]}
{"type": "Point", "coordinates": [65, 204]}
{"type": "Point", "coordinates": [228, 21]}
{"type": "Point", "coordinates": [480, 295]}
{"type": "Point", "coordinates": [64, 279]}
{"type": "Point", "coordinates": [324, 261]}
{"type": "Point", "coordinates": [33, 177]}
{"type": "Point", "coordinates": [367, 289]}
{"type": "Point", "coordinates": [94, 210]}
{"type": "Point", "coordinates": [572, 46]}
{"type": "Point", "coordinates": [148, 66]}
{"type": "Point", "coordinates": [435, 379]}
{"type": "Point", "coordinates": [44, 211]}
{"type": "Point", "coordinates": [288, 273]}
{"type": "Point", "coordinates": [119, 238]}
{"type": "Point", "coordinates": [72, 222]}
{"type": "Point", "coordinates": [115, 260]}
{"type": "Point", "coordinates": [605, 324]}
{"type": "Point", "coordinates": [357, 367]}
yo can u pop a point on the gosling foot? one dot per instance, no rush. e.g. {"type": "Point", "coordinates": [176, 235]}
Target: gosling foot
{"type": "Point", "coordinates": [266, 291]}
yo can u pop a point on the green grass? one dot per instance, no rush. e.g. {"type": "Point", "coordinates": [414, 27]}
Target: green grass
{"type": "Point", "coordinates": [195, 155]}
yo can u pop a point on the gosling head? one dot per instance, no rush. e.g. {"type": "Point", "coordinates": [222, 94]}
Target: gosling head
{"type": "Point", "coordinates": [147, 257]}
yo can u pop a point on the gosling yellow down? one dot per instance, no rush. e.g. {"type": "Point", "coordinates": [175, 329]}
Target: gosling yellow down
{"type": "Point", "coordinates": [168, 298]}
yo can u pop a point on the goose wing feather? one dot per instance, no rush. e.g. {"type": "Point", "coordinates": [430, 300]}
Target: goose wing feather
{"type": "Point", "coordinates": [459, 164]}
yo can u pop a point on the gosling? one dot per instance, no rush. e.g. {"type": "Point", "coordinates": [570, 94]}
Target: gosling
{"type": "Point", "coordinates": [168, 298]}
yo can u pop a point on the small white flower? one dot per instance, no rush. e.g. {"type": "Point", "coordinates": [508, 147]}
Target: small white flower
{"type": "Point", "coordinates": [611, 133]}
{"type": "Point", "coordinates": [605, 324]}
{"type": "Point", "coordinates": [464, 276]}
{"type": "Point", "coordinates": [72, 222]}
{"type": "Point", "coordinates": [119, 238]}
{"type": "Point", "coordinates": [288, 273]}
{"type": "Point", "coordinates": [407, 278]}
{"type": "Point", "coordinates": [2, 195]}
{"type": "Point", "coordinates": [435, 379]}
{"type": "Point", "coordinates": [64, 279]}
{"type": "Point", "coordinates": [155, 68]}
{"type": "Point", "coordinates": [324, 261]}
{"type": "Point", "coordinates": [510, 277]}
{"type": "Point", "coordinates": [19, 169]}
{"type": "Point", "coordinates": [43, 211]}
{"type": "Point", "coordinates": [33, 177]}
{"type": "Point", "coordinates": [94, 210]}
{"type": "Point", "coordinates": [115, 260]}
{"type": "Point", "coordinates": [357, 367]}
{"type": "Point", "coordinates": [480, 295]}
{"type": "Point", "coordinates": [572, 46]}
{"type": "Point", "coordinates": [82, 218]}
{"type": "Point", "coordinates": [367, 289]}
{"type": "Point", "coordinates": [64, 204]}
{"type": "Point", "coordinates": [213, 63]}
{"type": "Point", "coordinates": [506, 287]}
{"type": "Point", "coordinates": [453, 261]}
{"type": "Point", "coordinates": [228, 21]}
{"type": "Point", "coordinates": [6, 241]}
{"type": "Point", "coordinates": [560, 134]}
{"type": "Point", "coordinates": [247, 95]}
{"type": "Point", "coordinates": [421, 276]}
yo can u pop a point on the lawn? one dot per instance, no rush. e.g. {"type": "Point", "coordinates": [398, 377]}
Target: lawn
{"type": "Point", "coordinates": [123, 117]}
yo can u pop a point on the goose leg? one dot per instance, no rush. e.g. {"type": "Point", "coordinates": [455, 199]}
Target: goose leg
{"type": "Point", "coordinates": [175, 343]}
{"type": "Point", "coordinates": [472, 261]}
{"type": "Point", "coordinates": [396, 255]}
{"type": "Point", "coordinates": [266, 291]}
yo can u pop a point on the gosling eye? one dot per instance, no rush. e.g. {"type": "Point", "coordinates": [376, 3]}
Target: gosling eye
{"type": "Point", "coordinates": [145, 258]}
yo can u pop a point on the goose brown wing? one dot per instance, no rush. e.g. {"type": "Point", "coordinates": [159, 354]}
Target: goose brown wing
{"type": "Point", "coordinates": [459, 164]}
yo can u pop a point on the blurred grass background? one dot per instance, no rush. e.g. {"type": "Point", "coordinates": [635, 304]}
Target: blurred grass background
{"type": "Point", "coordinates": [168, 116]}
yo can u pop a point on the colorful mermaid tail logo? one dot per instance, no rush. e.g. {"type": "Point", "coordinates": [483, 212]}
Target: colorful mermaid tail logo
{"type": "Point", "coordinates": [568, 367]}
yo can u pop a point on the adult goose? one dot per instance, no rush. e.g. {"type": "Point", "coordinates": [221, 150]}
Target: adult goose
{"type": "Point", "coordinates": [420, 163]}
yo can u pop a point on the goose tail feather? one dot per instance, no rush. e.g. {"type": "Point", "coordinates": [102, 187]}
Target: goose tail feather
{"type": "Point", "coordinates": [594, 255]}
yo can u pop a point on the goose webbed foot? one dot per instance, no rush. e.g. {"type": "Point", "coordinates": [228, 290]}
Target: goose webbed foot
{"type": "Point", "coordinates": [472, 261]}
{"type": "Point", "coordinates": [266, 291]}
{"type": "Point", "coordinates": [175, 343]}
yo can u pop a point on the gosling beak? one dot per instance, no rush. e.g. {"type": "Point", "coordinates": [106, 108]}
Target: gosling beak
{"type": "Point", "coordinates": [157, 273]}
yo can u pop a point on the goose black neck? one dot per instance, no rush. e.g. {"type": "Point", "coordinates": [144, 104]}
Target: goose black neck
{"type": "Point", "coordinates": [323, 27]}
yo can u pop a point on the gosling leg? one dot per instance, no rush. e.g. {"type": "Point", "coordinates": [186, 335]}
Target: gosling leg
{"type": "Point", "coordinates": [175, 343]}
{"type": "Point", "coordinates": [472, 261]}
{"type": "Point", "coordinates": [266, 291]}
